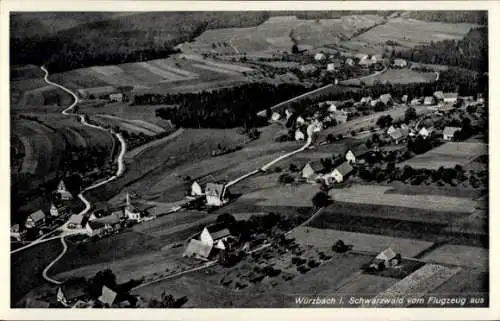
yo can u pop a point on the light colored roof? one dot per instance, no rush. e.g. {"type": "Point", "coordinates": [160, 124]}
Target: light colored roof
{"type": "Point", "coordinates": [450, 95]}
{"type": "Point", "coordinates": [108, 296]}
{"type": "Point", "coordinates": [110, 219]}
{"type": "Point", "coordinates": [213, 189]}
{"type": "Point", "coordinates": [316, 166]}
{"type": "Point", "coordinates": [76, 219]}
{"type": "Point", "coordinates": [438, 95]}
{"type": "Point", "coordinates": [198, 248]}
{"type": "Point", "coordinates": [450, 130]}
{"type": "Point", "coordinates": [385, 98]}
{"type": "Point", "coordinates": [37, 216]}
{"type": "Point", "coordinates": [386, 255]}
{"type": "Point", "coordinates": [400, 133]}
{"type": "Point", "coordinates": [344, 168]}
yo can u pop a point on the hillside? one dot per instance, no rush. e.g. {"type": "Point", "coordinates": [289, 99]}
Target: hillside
{"type": "Point", "coordinates": [474, 17]}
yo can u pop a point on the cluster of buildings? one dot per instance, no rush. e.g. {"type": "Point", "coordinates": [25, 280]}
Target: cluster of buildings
{"type": "Point", "coordinates": [216, 194]}
{"type": "Point", "coordinates": [74, 296]}
{"type": "Point", "coordinates": [212, 240]}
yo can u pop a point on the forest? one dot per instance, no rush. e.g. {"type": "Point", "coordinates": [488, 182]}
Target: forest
{"type": "Point", "coordinates": [127, 38]}
{"type": "Point", "coordinates": [470, 53]}
{"type": "Point", "coordinates": [475, 17]}
{"type": "Point", "coordinates": [225, 108]}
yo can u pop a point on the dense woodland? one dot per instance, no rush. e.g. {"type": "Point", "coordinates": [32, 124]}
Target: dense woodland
{"type": "Point", "coordinates": [475, 17]}
{"type": "Point", "coordinates": [128, 38]}
{"type": "Point", "coordinates": [225, 108]}
{"type": "Point", "coordinates": [471, 52]}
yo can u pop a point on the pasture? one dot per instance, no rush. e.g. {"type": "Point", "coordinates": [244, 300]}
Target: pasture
{"type": "Point", "coordinates": [288, 195]}
{"type": "Point", "coordinates": [136, 126]}
{"type": "Point", "coordinates": [459, 255]}
{"type": "Point", "coordinates": [448, 155]}
{"type": "Point", "coordinates": [411, 32]}
{"type": "Point", "coordinates": [363, 242]}
{"type": "Point", "coordinates": [395, 76]}
{"type": "Point", "coordinates": [375, 194]}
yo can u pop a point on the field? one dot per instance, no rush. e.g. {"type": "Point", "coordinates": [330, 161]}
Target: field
{"type": "Point", "coordinates": [289, 195]}
{"type": "Point", "coordinates": [135, 126]}
{"type": "Point", "coordinates": [360, 241]}
{"type": "Point", "coordinates": [395, 76]}
{"type": "Point", "coordinates": [448, 155]}
{"type": "Point", "coordinates": [274, 35]}
{"type": "Point", "coordinates": [374, 194]}
{"type": "Point", "coordinates": [406, 33]}
{"type": "Point", "coordinates": [464, 256]}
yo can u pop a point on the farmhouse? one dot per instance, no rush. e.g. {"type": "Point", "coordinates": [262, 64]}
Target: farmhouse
{"type": "Point", "coordinates": [299, 135]}
{"type": "Point", "coordinates": [390, 130]}
{"type": "Point", "coordinates": [415, 101]}
{"type": "Point", "coordinates": [117, 97]}
{"type": "Point", "coordinates": [275, 116]}
{"type": "Point", "coordinates": [439, 96]}
{"type": "Point", "coordinates": [76, 221]}
{"type": "Point", "coordinates": [63, 192]}
{"type": "Point", "coordinates": [424, 132]}
{"type": "Point", "coordinates": [96, 228]}
{"type": "Point", "coordinates": [385, 259]}
{"type": "Point", "coordinates": [340, 116]}
{"type": "Point", "coordinates": [35, 219]}
{"type": "Point", "coordinates": [400, 134]}
{"type": "Point", "coordinates": [429, 100]}
{"type": "Point", "coordinates": [404, 99]}
{"type": "Point", "coordinates": [386, 99]}
{"type": "Point", "coordinates": [366, 100]}
{"type": "Point", "coordinates": [400, 63]}
{"type": "Point", "coordinates": [108, 296]}
{"type": "Point", "coordinates": [449, 132]}
{"type": "Point", "coordinates": [300, 120]}
{"type": "Point", "coordinates": [332, 107]}
{"type": "Point", "coordinates": [215, 236]}
{"type": "Point", "coordinates": [67, 295]}
{"type": "Point", "coordinates": [311, 170]}
{"type": "Point", "coordinates": [197, 249]}
{"type": "Point", "coordinates": [196, 189]}
{"type": "Point", "coordinates": [215, 194]}
{"type": "Point", "coordinates": [131, 212]}
{"type": "Point", "coordinates": [330, 67]}
{"type": "Point", "coordinates": [319, 56]}
{"type": "Point", "coordinates": [358, 152]}
{"type": "Point", "coordinates": [349, 62]}
{"type": "Point", "coordinates": [450, 98]}
{"type": "Point", "coordinates": [56, 211]}
{"type": "Point", "coordinates": [361, 56]}
{"type": "Point", "coordinates": [341, 172]}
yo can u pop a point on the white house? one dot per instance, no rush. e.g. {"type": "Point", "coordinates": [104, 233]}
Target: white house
{"type": "Point", "coordinates": [215, 194]}
{"type": "Point", "coordinates": [311, 171]}
{"type": "Point", "coordinates": [349, 62]}
{"type": "Point", "coordinates": [415, 101]}
{"type": "Point", "coordinates": [404, 99]}
{"type": "Point", "coordinates": [374, 102]}
{"type": "Point", "coordinates": [450, 98]}
{"type": "Point", "coordinates": [108, 296]}
{"type": "Point", "coordinates": [352, 154]}
{"type": "Point", "coordinates": [400, 63]}
{"type": "Point", "coordinates": [366, 100]}
{"type": "Point", "coordinates": [330, 67]}
{"type": "Point", "coordinates": [319, 56]}
{"type": "Point", "coordinates": [438, 96]}
{"type": "Point", "coordinates": [117, 97]}
{"type": "Point", "coordinates": [275, 116]}
{"type": "Point", "coordinates": [196, 189]}
{"type": "Point", "coordinates": [288, 114]}
{"type": "Point", "coordinates": [340, 116]}
{"type": "Point", "coordinates": [390, 130]}
{"type": "Point", "coordinates": [341, 172]}
{"type": "Point", "coordinates": [361, 56]}
{"type": "Point", "coordinates": [299, 135]}
{"type": "Point", "coordinates": [449, 132]}
{"type": "Point", "coordinates": [55, 211]}
{"type": "Point", "coordinates": [96, 227]}
{"type": "Point", "coordinates": [215, 237]}
{"type": "Point", "coordinates": [429, 100]}
{"type": "Point", "coordinates": [63, 192]}
{"type": "Point", "coordinates": [131, 212]}
{"type": "Point", "coordinates": [424, 132]}
{"type": "Point", "coordinates": [385, 258]}
{"type": "Point", "coordinates": [332, 107]}
{"type": "Point", "coordinates": [300, 121]}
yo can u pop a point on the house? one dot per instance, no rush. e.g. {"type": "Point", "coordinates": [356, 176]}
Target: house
{"type": "Point", "coordinates": [76, 221]}
{"type": "Point", "coordinates": [196, 189]}
{"type": "Point", "coordinates": [349, 62]}
{"type": "Point", "coordinates": [131, 212]}
{"type": "Point", "coordinates": [386, 99]}
{"type": "Point", "coordinates": [56, 211]}
{"type": "Point", "coordinates": [376, 58]}
{"type": "Point", "coordinates": [197, 249]}
{"type": "Point", "coordinates": [107, 297]}
{"type": "Point", "coordinates": [319, 56]}
{"type": "Point", "coordinates": [424, 132]}
{"type": "Point", "coordinates": [365, 62]}
{"type": "Point", "coordinates": [114, 220]}
{"type": "Point", "coordinates": [15, 228]}
{"type": "Point", "coordinates": [69, 294]}
{"type": "Point", "coordinates": [330, 67]}
{"type": "Point", "coordinates": [215, 237]}
{"type": "Point", "coordinates": [275, 116]}
{"type": "Point", "coordinates": [311, 171]}
{"type": "Point", "coordinates": [117, 97]}
{"type": "Point", "coordinates": [385, 259]}
{"type": "Point", "coordinates": [215, 194]}
{"type": "Point", "coordinates": [366, 100]}
{"type": "Point", "coordinates": [63, 192]}
{"type": "Point", "coordinates": [357, 152]}
{"type": "Point", "coordinates": [438, 96]}
{"type": "Point", "coordinates": [288, 114]}
{"type": "Point", "coordinates": [400, 63]}
{"type": "Point", "coordinates": [374, 102]}
{"type": "Point", "coordinates": [429, 100]}
{"type": "Point", "coordinates": [97, 228]}
{"type": "Point", "coordinates": [341, 172]}
{"type": "Point", "coordinates": [300, 121]}
{"type": "Point", "coordinates": [450, 98]}
{"type": "Point", "coordinates": [390, 130]}
{"type": "Point", "coordinates": [404, 99]}
{"type": "Point", "coordinates": [308, 69]}
{"type": "Point", "coordinates": [400, 134]}
{"type": "Point", "coordinates": [35, 219]}
{"type": "Point", "coordinates": [449, 132]}
{"type": "Point", "coordinates": [332, 107]}
{"type": "Point", "coordinates": [361, 56]}
{"type": "Point", "coordinates": [299, 135]}
{"type": "Point", "coordinates": [415, 101]}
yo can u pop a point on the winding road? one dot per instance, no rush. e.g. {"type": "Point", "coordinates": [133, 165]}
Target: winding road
{"type": "Point", "coordinates": [119, 172]}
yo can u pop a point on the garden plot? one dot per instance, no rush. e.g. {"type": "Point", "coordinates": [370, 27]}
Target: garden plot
{"type": "Point", "coordinates": [360, 241]}
{"type": "Point", "coordinates": [374, 194]}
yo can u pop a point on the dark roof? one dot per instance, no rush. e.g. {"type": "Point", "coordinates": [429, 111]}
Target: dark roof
{"type": "Point", "coordinates": [316, 166]}
{"type": "Point", "coordinates": [73, 291]}
{"type": "Point", "coordinates": [197, 248]}
{"type": "Point", "coordinates": [360, 150]}
{"type": "Point", "coordinates": [37, 216]}
{"type": "Point", "coordinates": [344, 168]}
{"type": "Point", "coordinates": [95, 225]}
{"type": "Point", "coordinates": [220, 234]}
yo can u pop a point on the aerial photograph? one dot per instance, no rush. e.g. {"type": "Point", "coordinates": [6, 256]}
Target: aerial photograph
{"type": "Point", "coordinates": [249, 159]}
